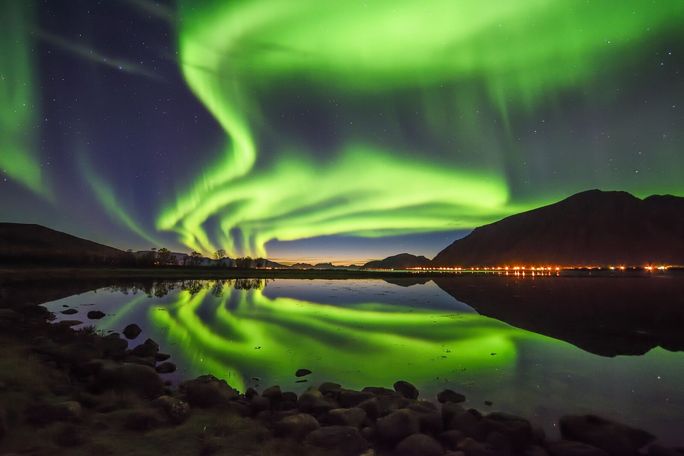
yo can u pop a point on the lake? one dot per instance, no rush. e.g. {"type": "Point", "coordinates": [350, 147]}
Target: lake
{"type": "Point", "coordinates": [538, 346]}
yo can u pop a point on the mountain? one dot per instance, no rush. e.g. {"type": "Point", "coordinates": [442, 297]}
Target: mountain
{"type": "Point", "coordinates": [29, 243]}
{"type": "Point", "coordinates": [589, 228]}
{"type": "Point", "coordinates": [400, 261]}
{"type": "Point", "coordinates": [301, 266]}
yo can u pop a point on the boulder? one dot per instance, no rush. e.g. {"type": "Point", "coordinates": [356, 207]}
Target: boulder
{"type": "Point", "coordinates": [113, 346]}
{"type": "Point", "coordinates": [354, 416]}
{"type": "Point", "coordinates": [470, 423]}
{"type": "Point", "coordinates": [327, 388]}
{"type": "Point", "coordinates": [69, 311]}
{"type": "Point", "coordinates": [166, 367]}
{"type": "Point", "coordinates": [161, 357]}
{"type": "Point", "coordinates": [313, 401]}
{"type": "Point", "coordinates": [43, 414]}
{"type": "Point", "coordinates": [379, 391]}
{"type": "Point", "coordinates": [68, 435]}
{"type": "Point", "coordinates": [450, 396]}
{"type": "Point", "coordinates": [296, 426]}
{"type": "Point", "coordinates": [141, 420]}
{"type": "Point", "coordinates": [451, 439]}
{"type": "Point", "coordinates": [130, 377]}
{"type": "Point", "coordinates": [429, 417]}
{"type": "Point", "coordinates": [397, 426]}
{"type": "Point", "coordinates": [406, 389]}
{"type": "Point", "coordinates": [95, 314]}
{"type": "Point", "coordinates": [132, 331]}
{"type": "Point", "coordinates": [302, 372]}
{"type": "Point", "coordinates": [208, 391]}
{"type": "Point", "coordinates": [614, 438]}
{"type": "Point", "coordinates": [419, 445]}
{"type": "Point", "coordinates": [517, 430]}
{"type": "Point", "coordinates": [259, 404]}
{"type": "Point", "coordinates": [147, 349]}
{"type": "Point", "coordinates": [345, 440]}
{"type": "Point", "coordinates": [471, 447]}
{"type": "Point", "coordinates": [569, 448]}
{"type": "Point", "coordinates": [176, 410]}
{"type": "Point", "coordinates": [273, 393]}
{"type": "Point", "coordinates": [350, 398]}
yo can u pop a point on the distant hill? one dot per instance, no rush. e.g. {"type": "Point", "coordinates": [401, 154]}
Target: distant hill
{"type": "Point", "coordinates": [29, 243]}
{"type": "Point", "coordinates": [301, 266]}
{"type": "Point", "coordinates": [589, 228]}
{"type": "Point", "coordinates": [400, 261]}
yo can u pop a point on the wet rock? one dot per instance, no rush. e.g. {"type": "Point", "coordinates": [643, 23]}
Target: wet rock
{"type": "Point", "coordinates": [451, 439]}
{"type": "Point", "coordinates": [131, 377]}
{"type": "Point", "coordinates": [515, 429]}
{"type": "Point", "coordinates": [176, 410]}
{"type": "Point", "coordinates": [345, 440]}
{"type": "Point", "coordinates": [350, 398]}
{"type": "Point", "coordinates": [327, 388]}
{"type": "Point", "coordinates": [251, 392]}
{"type": "Point", "coordinates": [145, 361]}
{"type": "Point", "coordinates": [450, 410]}
{"type": "Point", "coordinates": [147, 349]}
{"type": "Point", "coordinates": [132, 331]}
{"type": "Point", "coordinates": [406, 389]}
{"type": "Point", "coordinates": [346, 417]}
{"type": "Point", "coordinates": [10, 315]}
{"type": "Point", "coordinates": [43, 414]}
{"type": "Point", "coordinates": [69, 311]}
{"type": "Point", "coordinates": [95, 314]}
{"type": "Point", "coordinates": [450, 396]}
{"type": "Point", "coordinates": [419, 445]}
{"type": "Point", "coordinates": [471, 447]}
{"type": "Point", "coordinates": [161, 357]}
{"type": "Point", "coordinates": [429, 417]}
{"type": "Point", "coordinates": [470, 423]}
{"type": "Point", "coordinates": [259, 404]}
{"type": "Point", "coordinates": [208, 391]}
{"type": "Point", "coordinates": [302, 372]}
{"type": "Point", "coordinates": [166, 368]}
{"type": "Point", "coordinates": [296, 426]}
{"type": "Point", "coordinates": [569, 448]}
{"type": "Point", "coordinates": [614, 438]}
{"type": "Point", "coordinates": [273, 393]}
{"type": "Point", "coordinates": [397, 425]}
{"type": "Point", "coordinates": [379, 391]}
{"type": "Point", "coordinates": [113, 346]}
{"type": "Point", "coordinates": [313, 401]}
{"type": "Point", "coordinates": [535, 450]}
{"type": "Point", "coordinates": [68, 435]}
{"type": "Point", "coordinates": [454, 453]}
{"type": "Point", "coordinates": [141, 420]}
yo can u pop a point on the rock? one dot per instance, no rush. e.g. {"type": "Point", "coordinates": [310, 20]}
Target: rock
{"type": "Point", "coordinates": [450, 410]}
{"type": "Point", "coordinates": [313, 401]}
{"type": "Point", "coordinates": [302, 372]}
{"type": "Point", "coordinates": [251, 392]}
{"type": "Point", "coordinates": [397, 426]}
{"type": "Point", "coordinates": [329, 388]}
{"type": "Point", "coordinates": [406, 389]}
{"type": "Point", "coordinates": [10, 315]}
{"type": "Point", "coordinates": [450, 396]}
{"type": "Point", "coordinates": [43, 414]}
{"type": "Point", "coordinates": [568, 448]}
{"type": "Point", "coordinates": [471, 447]}
{"type": "Point", "coordinates": [161, 357]}
{"type": "Point", "coordinates": [429, 417]}
{"type": "Point", "coordinates": [141, 420]}
{"type": "Point", "coordinates": [379, 391]}
{"type": "Point", "coordinates": [273, 393]}
{"type": "Point", "coordinates": [69, 311]}
{"type": "Point", "coordinates": [208, 391]}
{"type": "Point", "coordinates": [147, 349]}
{"type": "Point", "coordinates": [95, 314]}
{"type": "Point", "coordinates": [68, 435]}
{"type": "Point", "coordinates": [346, 440]}
{"type": "Point", "coordinates": [419, 445]}
{"type": "Point", "coordinates": [113, 346]}
{"type": "Point", "coordinates": [132, 331]}
{"type": "Point", "coordinates": [148, 361]}
{"type": "Point", "coordinates": [130, 377]}
{"type": "Point", "coordinates": [346, 416]}
{"type": "Point", "coordinates": [535, 450]}
{"type": "Point", "coordinates": [451, 439]}
{"type": "Point", "coordinates": [517, 430]}
{"type": "Point", "coordinates": [614, 438]}
{"type": "Point", "coordinates": [166, 368]}
{"type": "Point", "coordinates": [176, 410]}
{"type": "Point", "coordinates": [259, 404]}
{"type": "Point", "coordinates": [470, 423]}
{"type": "Point", "coordinates": [3, 423]}
{"type": "Point", "coordinates": [296, 426]}
{"type": "Point", "coordinates": [351, 398]}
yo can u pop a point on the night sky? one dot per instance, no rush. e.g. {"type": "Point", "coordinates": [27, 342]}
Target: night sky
{"type": "Point", "coordinates": [329, 130]}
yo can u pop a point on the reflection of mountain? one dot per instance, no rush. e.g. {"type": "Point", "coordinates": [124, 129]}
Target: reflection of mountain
{"type": "Point", "coordinates": [604, 315]}
{"type": "Point", "coordinates": [589, 228]}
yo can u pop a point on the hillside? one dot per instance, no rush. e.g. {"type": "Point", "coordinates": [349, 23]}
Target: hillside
{"type": "Point", "coordinates": [400, 261]}
{"type": "Point", "coordinates": [589, 228]}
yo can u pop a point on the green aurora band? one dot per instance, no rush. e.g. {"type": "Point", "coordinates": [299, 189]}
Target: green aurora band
{"type": "Point", "coordinates": [447, 58]}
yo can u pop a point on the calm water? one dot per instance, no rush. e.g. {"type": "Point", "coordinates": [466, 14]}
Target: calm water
{"type": "Point", "coordinates": [434, 334]}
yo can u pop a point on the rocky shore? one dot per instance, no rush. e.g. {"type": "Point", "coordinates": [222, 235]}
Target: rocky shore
{"type": "Point", "coordinates": [66, 391]}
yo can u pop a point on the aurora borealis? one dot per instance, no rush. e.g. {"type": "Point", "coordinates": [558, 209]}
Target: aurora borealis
{"type": "Point", "coordinates": [305, 128]}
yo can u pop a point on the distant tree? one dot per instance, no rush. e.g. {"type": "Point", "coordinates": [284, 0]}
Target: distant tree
{"type": "Point", "coordinates": [164, 256]}
{"type": "Point", "coordinates": [195, 258]}
{"type": "Point", "coordinates": [244, 262]}
{"type": "Point", "coordinates": [220, 254]}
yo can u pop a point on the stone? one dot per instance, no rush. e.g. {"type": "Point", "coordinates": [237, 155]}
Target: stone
{"type": "Point", "coordinates": [569, 448]}
{"type": "Point", "coordinates": [614, 438]}
{"type": "Point", "coordinates": [296, 426]}
{"type": "Point", "coordinates": [429, 417]}
{"type": "Point", "coordinates": [354, 416]}
{"type": "Point", "coordinates": [302, 372]}
{"type": "Point", "coordinates": [43, 414]}
{"type": "Point", "coordinates": [397, 426]}
{"type": "Point", "coordinates": [406, 389]}
{"type": "Point", "coordinates": [451, 410]}
{"type": "Point", "coordinates": [351, 398]}
{"type": "Point", "coordinates": [451, 439]}
{"type": "Point", "coordinates": [113, 346]}
{"type": "Point", "coordinates": [379, 391]}
{"type": "Point", "coordinates": [471, 447]}
{"type": "Point", "coordinates": [313, 401]}
{"type": "Point", "coordinates": [161, 357]}
{"type": "Point", "coordinates": [208, 391]}
{"type": "Point", "coordinates": [176, 410]}
{"type": "Point", "coordinates": [345, 440]}
{"type": "Point", "coordinates": [130, 377]}
{"type": "Point", "coordinates": [132, 331]}
{"type": "Point", "coordinates": [419, 445]}
{"type": "Point", "coordinates": [10, 315]}
{"type": "Point", "coordinates": [470, 423]}
{"type": "Point", "coordinates": [517, 430]}
{"type": "Point", "coordinates": [659, 450]}
{"type": "Point", "coordinates": [69, 311]}
{"type": "Point", "coordinates": [329, 388]}
{"type": "Point", "coordinates": [259, 404]}
{"type": "Point", "coordinates": [68, 435]}
{"type": "Point", "coordinates": [166, 367]}
{"type": "Point", "coordinates": [95, 314]}
{"type": "Point", "coordinates": [450, 396]}
{"type": "Point", "coordinates": [535, 450]}
{"type": "Point", "coordinates": [273, 393]}
{"type": "Point", "coordinates": [147, 349]}
{"type": "Point", "coordinates": [141, 420]}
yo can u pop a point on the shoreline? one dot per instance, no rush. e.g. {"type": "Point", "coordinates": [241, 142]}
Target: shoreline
{"type": "Point", "coordinates": [78, 392]}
